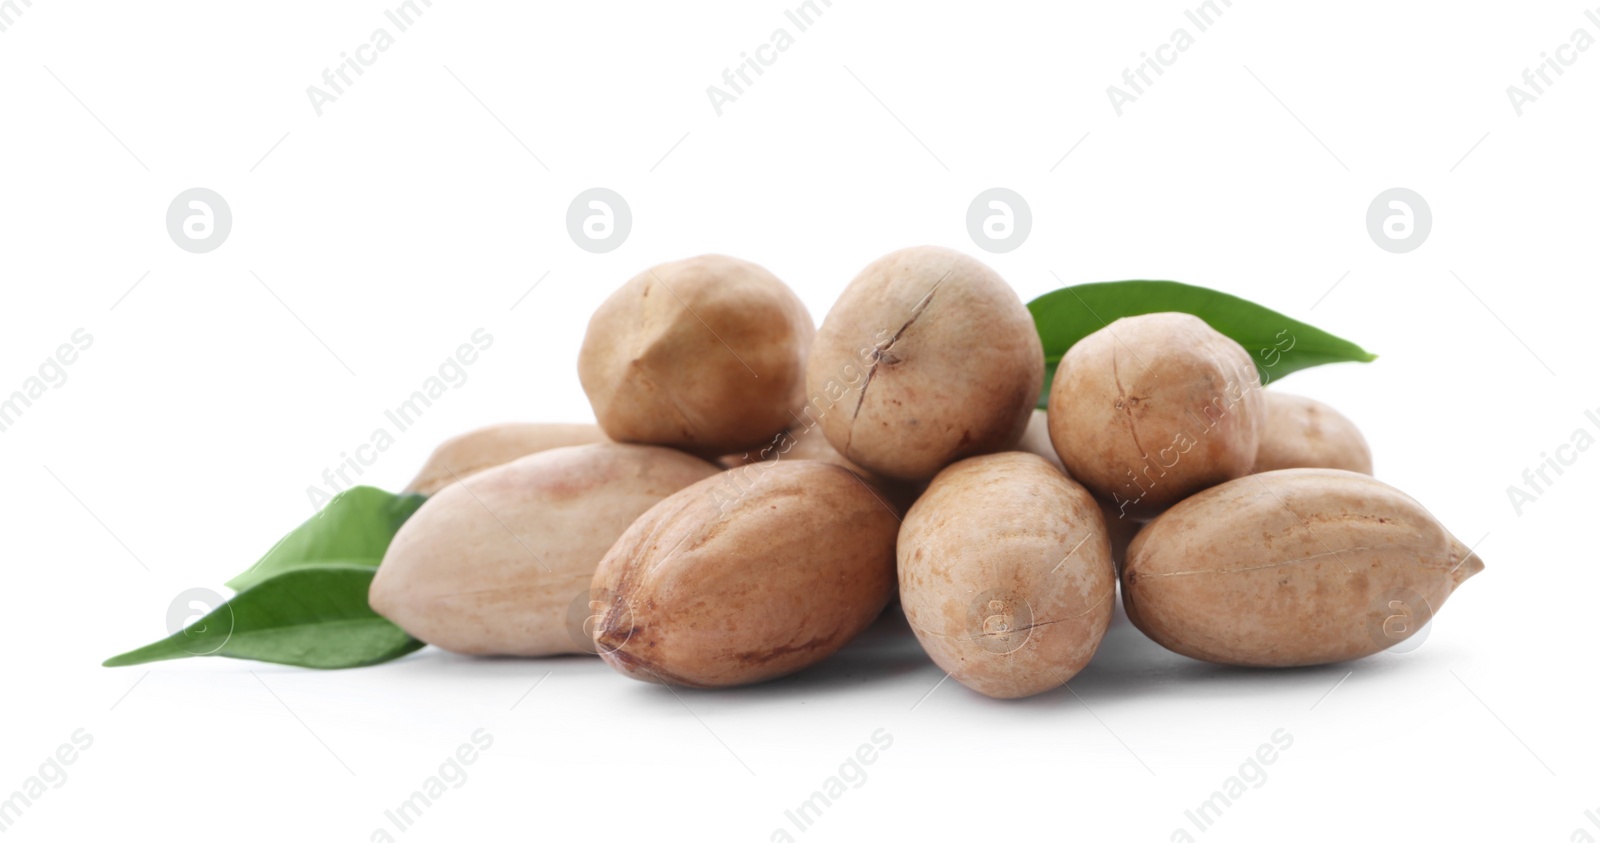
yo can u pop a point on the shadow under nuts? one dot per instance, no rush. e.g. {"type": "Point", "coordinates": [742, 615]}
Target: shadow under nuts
{"type": "Point", "coordinates": [709, 591]}
{"type": "Point", "coordinates": [927, 357]}
{"type": "Point", "coordinates": [1153, 408]}
{"type": "Point", "coordinates": [706, 354]}
{"type": "Point", "coordinates": [500, 563]}
{"type": "Point", "coordinates": [1006, 575]}
{"type": "Point", "coordinates": [1301, 566]}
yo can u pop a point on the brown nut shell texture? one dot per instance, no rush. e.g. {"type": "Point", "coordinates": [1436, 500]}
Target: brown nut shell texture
{"type": "Point", "coordinates": [707, 354]}
{"type": "Point", "coordinates": [928, 356]}
{"type": "Point", "coordinates": [710, 590]}
{"type": "Point", "coordinates": [1302, 433]}
{"type": "Point", "coordinates": [1121, 526]}
{"type": "Point", "coordinates": [1006, 574]}
{"type": "Point", "coordinates": [1151, 409]}
{"type": "Point", "coordinates": [500, 563]}
{"type": "Point", "coordinates": [1301, 566]}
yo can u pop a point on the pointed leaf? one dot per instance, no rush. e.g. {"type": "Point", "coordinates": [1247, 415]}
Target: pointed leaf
{"type": "Point", "coordinates": [309, 617]}
{"type": "Point", "coordinates": [355, 528]}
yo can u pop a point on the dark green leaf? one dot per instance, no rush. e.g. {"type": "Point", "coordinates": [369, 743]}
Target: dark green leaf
{"type": "Point", "coordinates": [309, 617]}
{"type": "Point", "coordinates": [1278, 344]}
{"type": "Point", "coordinates": [355, 528]}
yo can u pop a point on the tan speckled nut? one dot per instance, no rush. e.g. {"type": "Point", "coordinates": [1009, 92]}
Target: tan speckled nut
{"type": "Point", "coordinates": [1302, 566]}
{"type": "Point", "coordinates": [718, 586]}
{"type": "Point", "coordinates": [1005, 574]}
{"type": "Point", "coordinates": [1153, 408]}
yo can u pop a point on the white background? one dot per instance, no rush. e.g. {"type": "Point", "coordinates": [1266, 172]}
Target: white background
{"type": "Point", "coordinates": [430, 197]}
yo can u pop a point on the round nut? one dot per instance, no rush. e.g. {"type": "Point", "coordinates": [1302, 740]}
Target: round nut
{"type": "Point", "coordinates": [1153, 408]}
{"type": "Point", "coordinates": [1006, 575]}
{"type": "Point", "coordinates": [706, 354]}
{"type": "Point", "coordinates": [927, 357]}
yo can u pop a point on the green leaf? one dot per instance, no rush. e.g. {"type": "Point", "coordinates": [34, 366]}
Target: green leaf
{"type": "Point", "coordinates": [355, 528]}
{"type": "Point", "coordinates": [309, 617]}
{"type": "Point", "coordinates": [1278, 344]}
